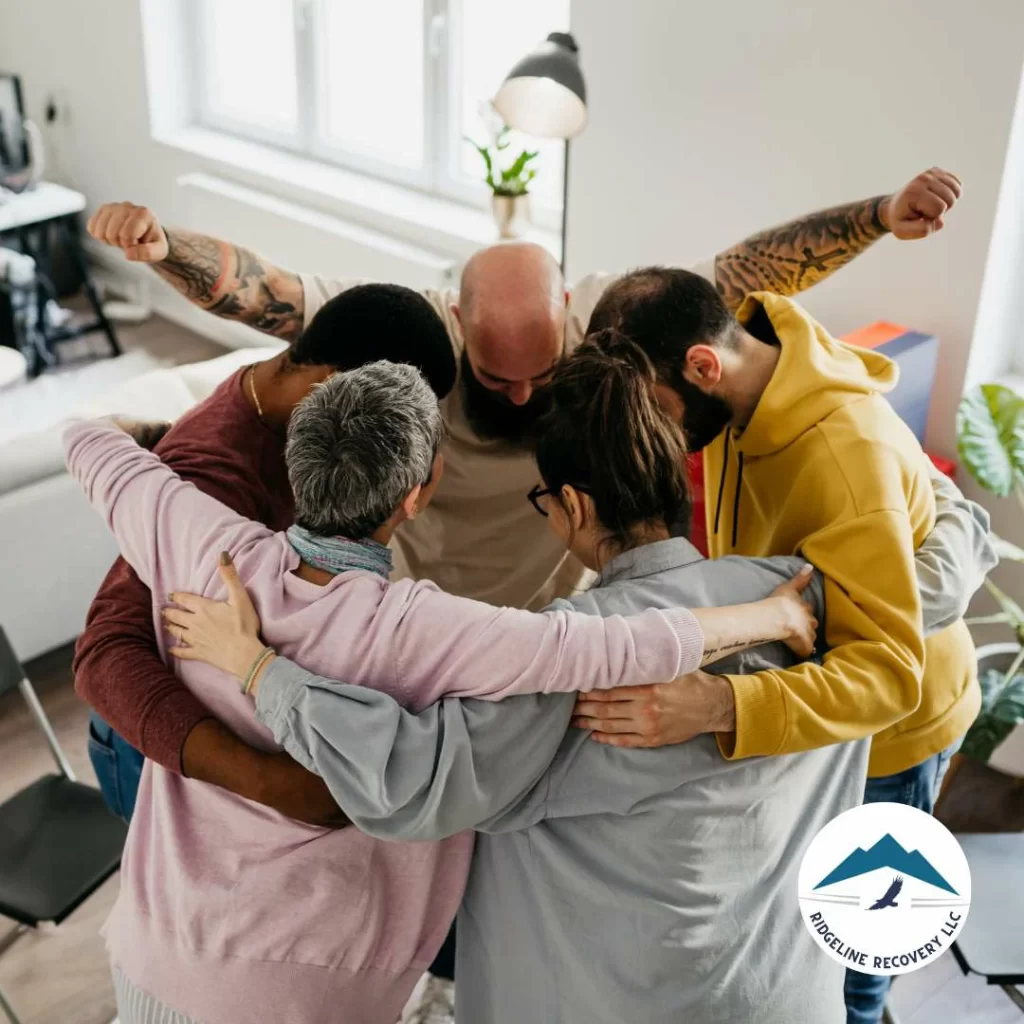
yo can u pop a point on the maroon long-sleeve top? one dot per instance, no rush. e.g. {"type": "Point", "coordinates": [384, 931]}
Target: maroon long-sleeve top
{"type": "Point", "coordinates": [224, 448]}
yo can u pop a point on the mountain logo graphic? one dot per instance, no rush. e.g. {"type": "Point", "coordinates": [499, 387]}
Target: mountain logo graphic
{"type": "Point", "coordinates": [883, 889]}
{"type": "Point", "coordinates": [887, 853]}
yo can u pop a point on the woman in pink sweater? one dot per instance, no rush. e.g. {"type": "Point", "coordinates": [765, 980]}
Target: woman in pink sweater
{"type": "Point", "coordinates": [230, 913]}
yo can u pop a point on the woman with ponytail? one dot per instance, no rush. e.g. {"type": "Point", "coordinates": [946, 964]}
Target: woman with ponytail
{"type": "Point", "coordinates": [613, 464]}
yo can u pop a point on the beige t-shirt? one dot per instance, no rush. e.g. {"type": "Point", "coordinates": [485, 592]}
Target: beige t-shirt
{"type": "Point", "coordinates": [480, 537]}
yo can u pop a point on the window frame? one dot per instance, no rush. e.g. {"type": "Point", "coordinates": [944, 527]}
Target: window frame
{"type": "Point", "coordinates": [204, 116]}
{"type": "Point", "coordinates": [439, 175]}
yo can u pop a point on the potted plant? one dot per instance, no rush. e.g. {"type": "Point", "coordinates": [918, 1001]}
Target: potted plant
{"type": "Point", "coordinates": [990, 440]}
{"type": "Point", "coordinates": [509, 184]}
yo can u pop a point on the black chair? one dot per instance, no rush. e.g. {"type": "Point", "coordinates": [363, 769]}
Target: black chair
{"type": "Point", "coordinates": [58, 841]}
{"type": "Point", "coordinates": [992, 941]}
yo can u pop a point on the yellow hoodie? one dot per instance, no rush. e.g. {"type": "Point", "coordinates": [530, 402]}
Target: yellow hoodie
{"type": "Point", "coordinates": [826, 469]}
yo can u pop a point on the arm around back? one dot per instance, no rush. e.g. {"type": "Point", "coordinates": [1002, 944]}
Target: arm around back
{"type": "Point", "coordinates": [452, 646]}
{"type": "Point", "coordinates": [119, 672]}
{"type": "Point", "coordinates": [954, 558]}
{"type": "Point", "coordinates": [871, 676]}
{"type": "Point", "coordinates": [397, 774]}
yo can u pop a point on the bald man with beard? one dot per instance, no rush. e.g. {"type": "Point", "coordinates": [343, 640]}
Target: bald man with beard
{"type": "Point", "coordinates": [511, 322]}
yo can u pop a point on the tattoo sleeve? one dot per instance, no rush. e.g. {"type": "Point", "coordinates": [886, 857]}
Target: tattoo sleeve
{"type": "Point", "coordinates": [790, 258]}
{"type": "Point", "coordinates": [234, 283]}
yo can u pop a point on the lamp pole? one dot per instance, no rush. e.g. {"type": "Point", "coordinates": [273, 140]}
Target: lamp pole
{"type": "Point", "coordinates": [565, 206]}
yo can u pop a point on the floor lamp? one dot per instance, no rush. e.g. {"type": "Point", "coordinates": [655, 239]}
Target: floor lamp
{"type": "Point", "coordinates": [545, 95]}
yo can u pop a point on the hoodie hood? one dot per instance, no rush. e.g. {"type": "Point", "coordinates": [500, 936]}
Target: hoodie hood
{"type": "Point", "coordinates": [815, 375]}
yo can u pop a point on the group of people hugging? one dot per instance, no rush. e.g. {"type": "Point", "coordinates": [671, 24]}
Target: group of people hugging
{"type": "Point", "coordinates": [408, 628]}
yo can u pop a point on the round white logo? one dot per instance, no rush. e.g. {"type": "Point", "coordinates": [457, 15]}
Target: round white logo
{"type": "Point", "coordinates": [884, 889]}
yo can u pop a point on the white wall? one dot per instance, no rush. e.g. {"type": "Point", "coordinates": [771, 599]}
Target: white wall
{"type": "Point", "coordinates": [712, 120]}
{"type": "Point", "coordinates": [997, 331]}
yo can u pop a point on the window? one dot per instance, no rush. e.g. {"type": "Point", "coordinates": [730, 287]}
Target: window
{"type": "Point", "coordinates": [389, 87]}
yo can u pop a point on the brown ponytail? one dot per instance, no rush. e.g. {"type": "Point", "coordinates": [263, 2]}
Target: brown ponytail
{"type": "Point", "coordinates": [604, 431]}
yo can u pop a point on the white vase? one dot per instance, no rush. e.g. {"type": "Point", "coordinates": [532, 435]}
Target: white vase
{"type": "Point", "coordinates": [511, 215]}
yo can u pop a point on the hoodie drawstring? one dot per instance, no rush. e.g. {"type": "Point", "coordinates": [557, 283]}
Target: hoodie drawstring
{"type": "Point", "coordinates": [721, 482]}
{"type": "Point", "coordinates": [721, 490]}
{"type": "Point", "coordinates": [736, 503]}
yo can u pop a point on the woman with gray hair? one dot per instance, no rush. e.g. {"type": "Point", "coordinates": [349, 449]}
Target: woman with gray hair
{"type": "Point", "coordinates": [229, 912]}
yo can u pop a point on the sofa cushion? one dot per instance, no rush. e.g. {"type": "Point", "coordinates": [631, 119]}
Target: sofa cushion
{"type": "Point", "coordinates": [28, 458]}
{"type": "Point", "coordinates": [162, 394]}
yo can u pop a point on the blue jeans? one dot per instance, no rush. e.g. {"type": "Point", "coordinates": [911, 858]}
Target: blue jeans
{"type": "Point", "coordinates": [916, 787]}
{"type": "Point", "coordinates": [118, 767]}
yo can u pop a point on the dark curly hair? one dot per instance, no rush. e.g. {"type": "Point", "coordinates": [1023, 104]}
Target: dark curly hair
{"type": "Point", "coordinates": [371, 322]}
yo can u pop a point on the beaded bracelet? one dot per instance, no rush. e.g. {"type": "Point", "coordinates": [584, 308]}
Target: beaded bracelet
{"type": "Point", "coordinates": [261, 659]}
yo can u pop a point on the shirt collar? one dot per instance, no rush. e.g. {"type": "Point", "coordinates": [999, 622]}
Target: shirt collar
{"type": "Point", "coordinates": [649, 560]}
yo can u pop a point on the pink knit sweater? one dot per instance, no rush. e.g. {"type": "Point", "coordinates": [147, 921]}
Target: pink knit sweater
{"type": "Point", "coordinates": [232, 913]}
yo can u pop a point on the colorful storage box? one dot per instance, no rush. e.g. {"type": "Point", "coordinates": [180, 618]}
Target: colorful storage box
{"type": "Point", "coordinates": [917, 355]}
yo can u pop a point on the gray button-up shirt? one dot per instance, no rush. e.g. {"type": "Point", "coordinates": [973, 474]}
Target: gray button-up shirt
{"type": "Point", "coordinates": [610, 885]}
{"type": "Point", "coordinates": [616, 885]}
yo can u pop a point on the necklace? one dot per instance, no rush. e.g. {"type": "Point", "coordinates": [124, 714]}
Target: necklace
{"type": "Point", "coordinates": [252, 389]}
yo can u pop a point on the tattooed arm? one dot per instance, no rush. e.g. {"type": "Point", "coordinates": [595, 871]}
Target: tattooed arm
{"type": "Point", "coordinates": [790, 258]}
{"type": "Point", "coordinates": [225, 279]}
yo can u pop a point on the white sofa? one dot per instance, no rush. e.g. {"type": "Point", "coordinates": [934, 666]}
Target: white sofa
{"type": "Point", "coordinates": [54, 549]}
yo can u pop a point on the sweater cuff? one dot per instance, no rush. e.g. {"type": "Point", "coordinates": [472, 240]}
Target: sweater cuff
{"type": "Point", "coordinates": [167, 725]}
{"type": "Point", "coordinates": [760, 718]}
{"type": "Point", "coordinates": [282, 683]}
{"type": "Point", "coordinates": [690, 636]}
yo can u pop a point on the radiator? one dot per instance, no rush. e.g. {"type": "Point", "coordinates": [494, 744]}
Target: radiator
{"type": "Point", "coordinates": [306, 239]}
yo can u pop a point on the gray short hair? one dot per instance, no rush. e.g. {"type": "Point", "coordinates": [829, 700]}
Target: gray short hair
{"type": "Point", "coordinates": [357, 444]}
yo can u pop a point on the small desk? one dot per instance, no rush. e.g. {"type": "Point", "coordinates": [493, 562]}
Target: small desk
{"type": "Point", "coordinates": [27, 217]}
{"type": "Point", "coordinates": [992, 941]}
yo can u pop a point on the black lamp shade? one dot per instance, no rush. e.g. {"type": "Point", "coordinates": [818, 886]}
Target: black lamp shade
{"type": "Point", "coordinates": [544, 95]}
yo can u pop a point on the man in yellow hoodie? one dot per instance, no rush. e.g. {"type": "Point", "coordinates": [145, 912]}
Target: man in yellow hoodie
{"type": "Point", "coordinates": [802, 455]}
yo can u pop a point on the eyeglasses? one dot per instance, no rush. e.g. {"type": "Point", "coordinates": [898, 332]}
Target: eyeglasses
{"type": "Point", "coordinates": [542, 492]}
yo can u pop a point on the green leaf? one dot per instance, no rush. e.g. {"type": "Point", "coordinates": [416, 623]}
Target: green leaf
{"type": "Point", "coordinates": [488, 162]}
{"type": "Point", "coordinates": [991, 682]}
{"type": "Point", "coordinates": [984, 736]}
{"type": "Point", "coordinates": [1002, 709]}
{"type": "Point", "coordinates": [1008, 705]}
{"type": "Point", "coordinates": [990, 437]}
{"type": "Point", "coordinates": [519, 164]}
{"type": "Point", "coordinates": [1010, 608]}
{"type": "Point", "coordinates": [1002, 619]}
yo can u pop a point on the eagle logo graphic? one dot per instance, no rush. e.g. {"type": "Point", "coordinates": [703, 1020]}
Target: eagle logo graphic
{"type": "Point", "coordinates": [889, 898]}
